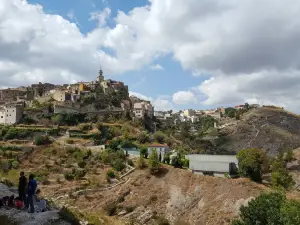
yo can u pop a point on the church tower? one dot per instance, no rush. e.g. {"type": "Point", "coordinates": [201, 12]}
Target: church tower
{"type": "Point", "coordinates": [100, 76]}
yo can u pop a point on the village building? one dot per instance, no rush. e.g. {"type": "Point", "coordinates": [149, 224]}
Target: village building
{"type": "Point", "coordinates": [11, 113]}
{"type": "Point", "coordinates": [189, 112]}
{"type": "Point", "coordinates": [161, 150]}
{"type": "Point", "coordinates": [216, 165]}
{"type": "Point", "coordinates": [142, 109]}
{"type": "Point", "coordinates": [61, 96]}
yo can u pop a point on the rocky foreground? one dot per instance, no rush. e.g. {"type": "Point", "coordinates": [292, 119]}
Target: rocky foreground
{"type": "Point", "coordinates": [12, 216]}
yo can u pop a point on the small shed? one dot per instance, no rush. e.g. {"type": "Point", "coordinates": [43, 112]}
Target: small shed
{"type": "Point", "coordinates": [216, 165]}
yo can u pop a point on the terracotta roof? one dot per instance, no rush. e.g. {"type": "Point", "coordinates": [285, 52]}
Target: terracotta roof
{"type": "Point", "coordinates": [157, 145]}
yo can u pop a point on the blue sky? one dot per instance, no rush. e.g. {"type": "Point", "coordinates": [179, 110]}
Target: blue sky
{"type": "Point", "coordinates": [151, 83]}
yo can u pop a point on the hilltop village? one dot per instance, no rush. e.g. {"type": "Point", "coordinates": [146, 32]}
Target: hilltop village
{"type": "Point", "coordinates": [98, 97]}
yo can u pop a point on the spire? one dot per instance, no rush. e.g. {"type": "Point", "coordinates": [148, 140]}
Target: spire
{"type": "Point", "coordinates": [100, 76]}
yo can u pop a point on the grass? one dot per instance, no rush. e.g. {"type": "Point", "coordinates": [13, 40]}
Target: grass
{"type": "Point", "coordinates": [12, 175]}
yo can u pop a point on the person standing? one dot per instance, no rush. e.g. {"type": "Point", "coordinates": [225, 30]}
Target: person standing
{"type": "Point", "coordinates": [32, 185]}
{"type": "Point", "coordinates": [22, 187]}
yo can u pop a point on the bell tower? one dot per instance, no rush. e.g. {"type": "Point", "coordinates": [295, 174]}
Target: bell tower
{"type": "Point", "coordinates": [100, 76]}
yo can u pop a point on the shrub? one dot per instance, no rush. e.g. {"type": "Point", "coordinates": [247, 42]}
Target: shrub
{"type": "Point", "coordinates": [141, 163]}
{"type": "Point", "coordinates": [269, 209]}
{"type": "Point", "coordinates": [280, 175]}
{"type": "Point", "coordinates": [252, 163]}
{"type": "Point", "coordinates": [110, 208]}
{"type": "Point", "coordinates": [154, 164]}
{"type": "Point", "coordinates": [15, 164]}
{"type": "Point", "coordinates": [82, 164]}
{"type": "Point", "coordinates": [119, 165]}
{"type": "Point", "coordinates": [69, 176]}
{"type": "Point", "coordinates": [130, 162]}
{"type": "Point", "coordinates": [159, 137]}
{"type": "Point", "coordinates": [42, 140]}
{"type": "Point", "coordinates": [110, 174]}
{"type": "Point", "coordinates": [143, 138]}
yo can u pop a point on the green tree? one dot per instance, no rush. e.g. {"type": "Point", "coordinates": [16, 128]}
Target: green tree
{"type": "Point", "coordinates": [280, 175]}
{"type": "Point", "coordinates": [230, 112]}
{"type": "Point", "coordinates": [159, 137]}
{"type": "Point", "coordinates": [143, 138]}
{"type": "Point", "coordinates": [290, 213]}
{"type": "Point", "coordinates": [154, 163]}
{"type": "Point", "coordinates": [252, 163]}
{"type": "Point", "coordinates": [270, 209]}
{"type": "Point", "coordinates": [264, 210]}
{"type": "Point", "coordinates": [143, 152]}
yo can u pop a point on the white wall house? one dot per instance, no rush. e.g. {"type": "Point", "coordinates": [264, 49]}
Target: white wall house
{"type": "Point", "coordinates": [141, 109]}
{"type": "Point", "coordinates": [11, 114]}
{"type": "Point", "coordinates": [160, 149]}
{"type": "Point", "coordinates": [216, 165]}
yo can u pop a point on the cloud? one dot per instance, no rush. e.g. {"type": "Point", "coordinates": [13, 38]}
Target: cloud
{"type": "Point", "coordinates": [140, 96]}
{"type": "Point", "coordinates": [71, 15]}
{"type": "Point", "coordinates": [247, 56]}
{"type": "Point", "coordinates": [101, 16]}
{"type": "Point", "coordinates": [184, 97]}
{"type": "Point", "coordinates": [156, 67]}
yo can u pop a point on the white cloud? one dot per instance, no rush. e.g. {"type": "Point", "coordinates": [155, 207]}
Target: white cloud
{"type": "Point", "coordinates": [140, 96]}
{"type": "Point", "coordinates": [101, 16]}
{"type": "Point", "coordinates": [162, 104]}
{"type": "Point", "coordinates": [248, 57]}
{"type": "Point", "coordinates": [156, 67]}
{"type": "Point", "coordinates": [184, 97]}
{"type": "Point", "coordinates": [71, 15]}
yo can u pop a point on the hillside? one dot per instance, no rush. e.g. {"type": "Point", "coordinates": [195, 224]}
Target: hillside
{"type": "Point", "coordinates": [273, 130]}
{"type": "Point", "coordinates": [139, 197]}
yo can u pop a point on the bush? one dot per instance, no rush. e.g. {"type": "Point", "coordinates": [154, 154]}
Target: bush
{"type": "Point", "coordinates": [280, 175]}
{"type": "Point", "coordinates": [143, 138]}
{"type": "Point", "coordinates": [15, 164]}
{"type": "Point", "coordinates": [119, 165]}
{"type": "Point", "coordinates": [110, 174]}
{"type": "Point", "coordinates": [159, 137]}
{"type": "Point", "coordinates": [154, 164]}
{"type": "Point", "coordinates": [69, 176]}
{"type": "Point", "coordinates": [42, 140]}
{"type": "Point", "coordinates": [82, 164]}
{"type": "Point", "coordinates": [110, 208]}
{"type": "Point", "coordinates": [130, 162]}
{"type": "Point", "coordinates": [252, 163]}
{"type": "Point", "coordinates": [269, 209]}
{"type": "Point", "coordinates": [141, 163]}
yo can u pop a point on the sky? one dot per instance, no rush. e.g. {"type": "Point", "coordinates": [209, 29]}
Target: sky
{"type": "Point", "coordinates": [179, 54]}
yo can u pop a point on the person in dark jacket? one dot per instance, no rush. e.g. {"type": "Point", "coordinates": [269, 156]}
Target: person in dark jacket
{"type": "Point", "coordinates": [32, 185]}
{"type": "Point", "coordinates": [22, 187]}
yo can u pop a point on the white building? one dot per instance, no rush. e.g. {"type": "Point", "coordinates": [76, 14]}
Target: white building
{"type": "Point", "coordinates": [11, 114]}
{"type": "Point", "coordinates": [141, 109]}
{"type": "Point", "coordinates": [216, 165]}
{"type": "Point", "coordinates": [159, 148]}
{"type": "Point", "coordinates": [189, 112]}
